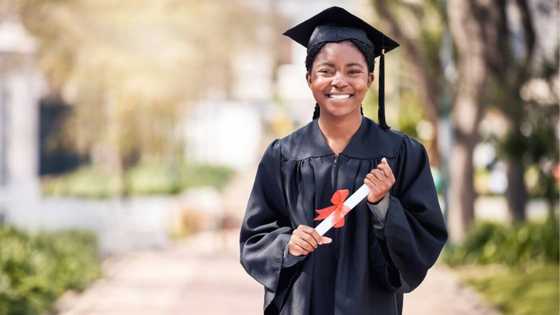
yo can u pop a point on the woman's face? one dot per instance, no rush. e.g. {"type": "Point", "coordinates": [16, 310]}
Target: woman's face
{"type": "Point", "coordinates": [339, 79]}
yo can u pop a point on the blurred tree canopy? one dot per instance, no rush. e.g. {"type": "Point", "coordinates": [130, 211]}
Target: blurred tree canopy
{"type": "Point", "coordinates": [131, 67]}
{"type": "Point", "coordinates": [515, 62]}
{"type": "Point", "coordinates": [419, 27]}
{"type": "Point", "coordinates": [463, 57]}
{"type": "Point", "coordinates": [448, 77]}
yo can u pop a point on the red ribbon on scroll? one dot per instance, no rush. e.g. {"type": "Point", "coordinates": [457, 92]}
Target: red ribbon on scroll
{"type": "Point", "coordinates": [338, 208]}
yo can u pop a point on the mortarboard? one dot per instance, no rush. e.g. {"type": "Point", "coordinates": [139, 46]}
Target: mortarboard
{"type": "Point", "coordinates": [336, 24]}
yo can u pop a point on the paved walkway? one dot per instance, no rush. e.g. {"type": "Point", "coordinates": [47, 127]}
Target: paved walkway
{"type": "Point", "coordinates": [193, 277]}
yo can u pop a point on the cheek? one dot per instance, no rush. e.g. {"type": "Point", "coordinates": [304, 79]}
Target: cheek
{"type": "Point", "coordinates": [360, 86]}
{"type": "Point", "coordinates": [318, 84]}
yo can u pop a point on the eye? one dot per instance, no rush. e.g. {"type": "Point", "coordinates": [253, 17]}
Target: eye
{"type": "Point", "coordinates": [354, 71]}
{"type": "Point", "coordinates": [324, 71]}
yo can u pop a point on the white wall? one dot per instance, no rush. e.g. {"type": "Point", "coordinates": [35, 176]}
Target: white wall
{"type": "Point", "coordinates": [224, 133]}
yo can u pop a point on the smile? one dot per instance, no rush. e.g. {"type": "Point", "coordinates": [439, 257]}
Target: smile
{"type": "Point", "coordinates": [339, 96]}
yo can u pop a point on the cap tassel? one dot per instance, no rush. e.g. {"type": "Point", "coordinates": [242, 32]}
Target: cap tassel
{"type": "Point", "coordinates": [381, 106]}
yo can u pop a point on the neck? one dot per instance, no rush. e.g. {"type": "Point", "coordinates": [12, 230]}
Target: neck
{"type": "Point", "coordinates": [340, 129]}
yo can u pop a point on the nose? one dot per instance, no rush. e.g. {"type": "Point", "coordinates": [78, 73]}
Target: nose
{"type": "Point", "coordinates": [338, 80]}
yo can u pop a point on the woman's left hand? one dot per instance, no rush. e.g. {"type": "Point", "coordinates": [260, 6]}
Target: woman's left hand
{"type": "Point", "coordinates": [379, 181]}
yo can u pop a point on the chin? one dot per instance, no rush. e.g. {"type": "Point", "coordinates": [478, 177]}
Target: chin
{"type": "Point", "coordinates": [339, 109]}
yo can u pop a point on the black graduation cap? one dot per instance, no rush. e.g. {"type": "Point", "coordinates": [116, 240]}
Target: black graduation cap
{"type": "Point", "coordinates": [336, 24]}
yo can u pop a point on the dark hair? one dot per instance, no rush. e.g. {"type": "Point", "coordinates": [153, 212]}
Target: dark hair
{"type": "Point", "coordinates": [313, 51]}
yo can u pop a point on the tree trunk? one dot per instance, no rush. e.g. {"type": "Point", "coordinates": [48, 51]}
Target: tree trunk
{"type": "Point", "coordinates": [461, 193]}
{"type": "Point", "coordinates": [467, 28]}
{"type": "Point", "coordinates": [510, 73]}
{"type": "Point", "coordinates": [516, 192]}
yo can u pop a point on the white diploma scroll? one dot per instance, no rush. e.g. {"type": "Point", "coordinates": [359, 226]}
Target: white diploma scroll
{"type": "Point", "coordinates": [349, 203]}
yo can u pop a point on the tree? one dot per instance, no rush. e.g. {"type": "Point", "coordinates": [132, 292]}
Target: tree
{"type": "Point", "coordinates": [513, 63]}
{"type": "Point", "coordinates": [130, 68]}
{"type": "Point", "coordinates": [471, 25]}
{"type": "Point", "coordinates": [419, 28]}
{"type": "Point", "coordinates": [412, 26]}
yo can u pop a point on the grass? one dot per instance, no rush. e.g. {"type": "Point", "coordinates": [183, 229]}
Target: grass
{"type": "Point", "coordinates": [515, 290]}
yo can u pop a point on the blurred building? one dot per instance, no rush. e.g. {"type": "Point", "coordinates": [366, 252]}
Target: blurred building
{"type": "Point", "coordinates": [21, 86]}
{"type": "Point", "coordinates": [223, 132]}
{"type": "Point", "coordinates": [226, 127]}
{"type": "Point", "coordinates": [269, 83]}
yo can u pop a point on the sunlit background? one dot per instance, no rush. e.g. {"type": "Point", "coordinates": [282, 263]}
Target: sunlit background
{"type": "Point", "coordinates": [130, 132]}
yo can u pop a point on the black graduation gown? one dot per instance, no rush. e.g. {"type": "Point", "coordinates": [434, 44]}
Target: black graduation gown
{"type": "Point", "coordinates": [365, 270]}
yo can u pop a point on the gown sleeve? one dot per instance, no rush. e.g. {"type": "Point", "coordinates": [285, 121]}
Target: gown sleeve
{"type": "Point", "coordinates": [266, 228]}
{"type": "Point", "coordinates": [414, 230]}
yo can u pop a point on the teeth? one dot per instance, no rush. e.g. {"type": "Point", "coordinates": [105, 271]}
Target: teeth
{"type": "Point", "coordinates": [339, 96]}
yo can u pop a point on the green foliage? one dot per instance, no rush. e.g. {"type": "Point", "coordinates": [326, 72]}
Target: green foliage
{"type": "Point", "coordinates": [147, 178]}
{"type": "Point", "coordinates": [160, 178]}
{"type": "Point", "coordinates": [37, 268]}
{"type": "Point", "coordinates": [410, 113]}
{"type": "Point", "coordinates": [85, 182]}
{"type": "Point", "coordinates": [206, 175]}
{"type": "Point", "coordinates": [153, 178]}
{"type": "Point", "coordinates": [407, 116]}
{"type": "Point", "coordinates": [520, 291]}
{"type": "Point", "coordinates": [519, 245]}
{"type": "Point", "coordinates": [514, 267]}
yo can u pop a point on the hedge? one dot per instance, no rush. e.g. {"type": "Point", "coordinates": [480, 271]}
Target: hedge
{"type": "Point", "coordinates": [36, 268]}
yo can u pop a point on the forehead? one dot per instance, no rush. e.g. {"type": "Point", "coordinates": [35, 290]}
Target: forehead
{"type": "Point", "coordinates": [344, 52]}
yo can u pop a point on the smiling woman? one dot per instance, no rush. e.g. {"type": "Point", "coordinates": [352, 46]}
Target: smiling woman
{"type": "Point", "coordinates": [386, 244]}
{"type": "Point", "coordinates": [339, 79]}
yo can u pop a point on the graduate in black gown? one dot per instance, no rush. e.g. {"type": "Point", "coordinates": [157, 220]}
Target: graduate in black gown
{"type": "Point", "coordinates": [390, 239]}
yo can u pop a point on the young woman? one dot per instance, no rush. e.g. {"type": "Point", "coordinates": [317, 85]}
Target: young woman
{"type": "Point", "coordinates": [385, 245]}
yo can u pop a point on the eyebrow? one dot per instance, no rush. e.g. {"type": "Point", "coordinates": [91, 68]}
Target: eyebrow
{"type": "Point", "coordinates": [352, 64]}
{"type": "Point", "coordinates": [355, 64]}
{"type": "Point", "coordinates": [326, 63]}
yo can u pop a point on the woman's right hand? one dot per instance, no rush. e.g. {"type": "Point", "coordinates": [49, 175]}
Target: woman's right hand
{"type": "Point", "coordinates": [305, 240]}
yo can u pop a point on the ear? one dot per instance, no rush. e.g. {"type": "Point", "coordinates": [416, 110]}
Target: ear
{"type": "Point", "coordinates": [308, 78]}
{"type": "Point", "coordinates": [371, 77]}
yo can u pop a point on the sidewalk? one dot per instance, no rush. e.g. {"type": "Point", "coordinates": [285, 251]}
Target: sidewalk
{"type": "Point", "coordinates": [197, 277]}
{"type": "Point", "coordinates": [187, 278]}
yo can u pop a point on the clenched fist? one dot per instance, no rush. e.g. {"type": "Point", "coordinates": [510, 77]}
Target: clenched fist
{"type": "Point", "coordinates": [305, 240]}
{"type": "Point", "coordinates": [379, 181]}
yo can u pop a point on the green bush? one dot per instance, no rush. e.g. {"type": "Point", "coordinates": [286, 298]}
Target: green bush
{"type": "Point", "coordinates": [147, 178]}
{"type": "Point", "coordinates": [35, 269]}
{"type": "Point", "coordinates": [160, 178]}
{"type": "Point", "coordinates": [86, 182]}
{"type": "Point", "coordinates": [154, 178]}
{"type": "Point", "coordinates": [518, 245]}
{"type": "Point", "coordinates": [197, 175]}
{"type": "Point", "coordinates": [514, 267]}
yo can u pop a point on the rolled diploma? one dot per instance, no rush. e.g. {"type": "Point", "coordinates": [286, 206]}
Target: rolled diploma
{"type": "Point", "coordinates": [349, 203]}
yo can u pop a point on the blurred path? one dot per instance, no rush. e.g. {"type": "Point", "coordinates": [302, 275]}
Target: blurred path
{"type": "Point", "coordinates": [190, 277]}
{"type": "Point", "coordinates": [199, 277]}
{"type": "Point", "coordinates": [442, 293]}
